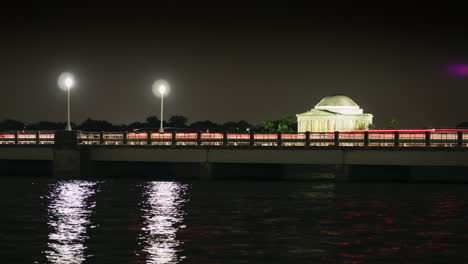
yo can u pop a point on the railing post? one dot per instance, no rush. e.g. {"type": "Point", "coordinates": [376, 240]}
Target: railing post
{"type": "Point", "coordinates": [396, 139]}
{"type": "Point", "coordinates": [366, 138]}
{"type": "Point", "coordinates": [173, 138]}
{"type": "Point", "coordinates": [38, 137]}
{"type": "Point", "coordinates": [125, 138]}
{"type": "Point", "coordinates": [337, 138]}
{"type": "Point", "coordinates": [148, 138]}
{"type": "Point", "coordinates": [101, 137]}
{"type": "Point", "coordinates": [79, 136]}
{"type": "Point", "coordinates": [279, 139]}
{"type": "Point", "coordinates": [427, 139]}
{"type": "Point", "coordinates": [307, 138]}
{"type": "Point", "coordinates": [199, 138]}
{"type": "Point", "coordinates": [225, 139]}
{"type": "Point", "coordinates": [460, 138]}
{"type": "Point", "coordinates": [17, 137]}
{"type": "Point", "coordinates": [251, 139]}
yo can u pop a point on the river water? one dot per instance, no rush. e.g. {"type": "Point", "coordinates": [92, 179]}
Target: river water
{"type": "Point", "coordinates": [144, 221]}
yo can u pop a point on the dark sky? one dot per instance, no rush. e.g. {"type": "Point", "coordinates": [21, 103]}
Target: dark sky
{"type": "Point", "coordinates": [233, 64]}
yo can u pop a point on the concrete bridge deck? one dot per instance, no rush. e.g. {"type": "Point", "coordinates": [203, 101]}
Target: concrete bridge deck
{"type": "Point", "coordinates": [400, 156]}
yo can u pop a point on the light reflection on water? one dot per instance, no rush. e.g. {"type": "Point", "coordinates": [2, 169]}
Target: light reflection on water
{"type": "Point", "coordinates": [68, 218]}
{"type": "Point", "coordinates": [232, 222]}
{"type": "Point", "coordinates": [162, 216]}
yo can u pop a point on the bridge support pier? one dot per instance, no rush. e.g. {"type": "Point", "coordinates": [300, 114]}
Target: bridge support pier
{"type": "Point", "coordinates": [66, 155]}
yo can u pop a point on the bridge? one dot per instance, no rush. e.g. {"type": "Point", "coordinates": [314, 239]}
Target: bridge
{"type": "Point", "coordinates": [402, 154]}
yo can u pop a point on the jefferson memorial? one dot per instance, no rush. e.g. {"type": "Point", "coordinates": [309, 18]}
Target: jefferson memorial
{"type": "Point", "coordinates": [333, 113]}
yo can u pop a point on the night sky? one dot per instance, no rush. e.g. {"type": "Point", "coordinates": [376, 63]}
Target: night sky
{"type": "Point", "coordinates": [235, 64]}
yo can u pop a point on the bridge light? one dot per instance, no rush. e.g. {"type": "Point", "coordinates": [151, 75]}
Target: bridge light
{"type": "Point", "coordinates": [68, 82]}
{"type": "Point", "coordinates": [161, 89]}
{"type": "Point", "coordinates": [65, 82]}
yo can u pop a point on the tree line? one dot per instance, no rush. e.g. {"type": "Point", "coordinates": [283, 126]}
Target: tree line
{"type": "Point", "coordinates": [284, 125]}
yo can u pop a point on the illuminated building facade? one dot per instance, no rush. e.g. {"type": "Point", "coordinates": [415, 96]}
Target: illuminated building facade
{"type": "Point", "coordinates": [334, 113]}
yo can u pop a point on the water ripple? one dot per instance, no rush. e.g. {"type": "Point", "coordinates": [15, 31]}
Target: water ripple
{"type": "Point", "coordinates": [162, 217]}
{"type": "Point", "coordinates": [68, 218]}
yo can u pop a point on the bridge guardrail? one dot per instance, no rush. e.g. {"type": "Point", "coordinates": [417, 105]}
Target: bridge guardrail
{"type": "Point", "coordinates": [401, 138]}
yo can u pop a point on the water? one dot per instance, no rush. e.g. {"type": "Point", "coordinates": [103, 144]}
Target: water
{"type": "Point", "coordinates": [143, 221]}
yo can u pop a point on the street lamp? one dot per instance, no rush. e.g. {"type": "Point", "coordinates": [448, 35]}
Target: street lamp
{"type": "Point", "coordinates": [66, 82]}
{"type": "Point", "coordinates": [160, 89]}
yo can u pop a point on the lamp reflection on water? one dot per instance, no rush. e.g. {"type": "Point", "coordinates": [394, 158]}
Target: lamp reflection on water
{"type": "Point", "coordinates": [68, 218]}
{"type": "Point", "coordinates": [162, 217]}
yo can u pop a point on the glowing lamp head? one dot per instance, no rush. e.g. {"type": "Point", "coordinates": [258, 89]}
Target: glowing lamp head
{"type": "Point", "coordinates": [66, 81]}
{"type": "Point", "coordinates": [161, 88]}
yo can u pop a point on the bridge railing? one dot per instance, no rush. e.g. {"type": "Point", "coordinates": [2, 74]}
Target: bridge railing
{"type": "Point", "coordinates": [27, 137]}
{"type": "Point", "coordinates": [322, 139]}
{"type": "Point", "coordinates": [185, 139]}
{"type": "Point", "coordinates": [380, 138]}
{"type": "Point", "coordinates": [351, 138]}
{"type": "Point", "coordinates": [136, 138]}
{"type": "Point", "coordinates": [297, 140]}
{"type": "Point", "coordinates": [89, 138]}
{"type": "Point", "coordinates": [446, 139]}
{"type": "Point", "coordinates": [212, 139]}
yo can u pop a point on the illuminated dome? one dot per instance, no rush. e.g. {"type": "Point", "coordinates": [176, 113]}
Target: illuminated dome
{"type": "Point", "coordinates": [336, 100]}
{"type": "Point", "coordinates": [334, 113]}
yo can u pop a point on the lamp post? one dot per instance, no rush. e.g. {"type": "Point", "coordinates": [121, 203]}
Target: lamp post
{"type": "Point", "coordinates": [161, 89]}
{"type": "Point", "coordinates": [66, 81]}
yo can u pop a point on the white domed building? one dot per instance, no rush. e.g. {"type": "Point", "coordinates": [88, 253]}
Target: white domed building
{"type": "Point", "coordinates": [333, 113]}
